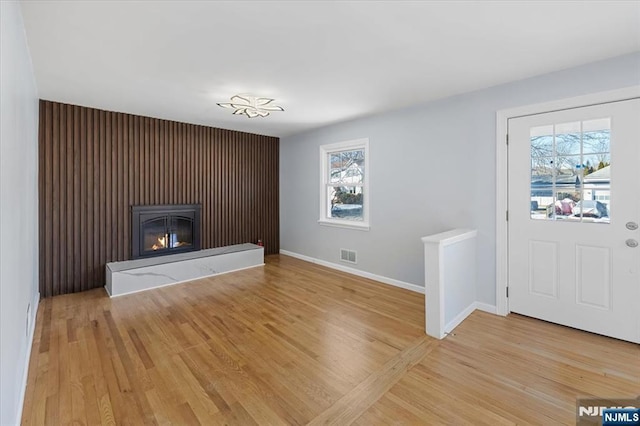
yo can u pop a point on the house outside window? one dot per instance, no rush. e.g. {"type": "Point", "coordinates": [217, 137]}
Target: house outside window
{"type": "Point", "coordinates": [344, 184]}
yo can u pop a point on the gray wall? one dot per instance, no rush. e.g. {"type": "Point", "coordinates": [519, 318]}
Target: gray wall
{"type": "Point", "coordinates": [432, 168]}
{"type": "Point", "coordinates": [18, 209]}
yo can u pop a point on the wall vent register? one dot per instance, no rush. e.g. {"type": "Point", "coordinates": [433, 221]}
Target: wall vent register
{"type": "Point", "coordinates": [348, 256]}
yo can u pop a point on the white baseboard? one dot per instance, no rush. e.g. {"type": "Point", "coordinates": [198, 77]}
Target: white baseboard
{"type": "Point", "coordinates": [358, 272]}
{"type": "Point", "coordinates": [459, 318]}
{"type": "Point", "coordinates": [468, 311]}
{"type": "Point", "coordinates": [485, 307]}
{"type": "Point", "coordinates": [32, 329]}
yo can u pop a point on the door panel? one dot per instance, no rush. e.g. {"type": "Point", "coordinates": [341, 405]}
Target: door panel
{"type": "Point", "coordinates": [543, 268]}
{"type": "Point", "coordinates": [574, 184]}
{"type": "Point", "coordinates": [593, 276]}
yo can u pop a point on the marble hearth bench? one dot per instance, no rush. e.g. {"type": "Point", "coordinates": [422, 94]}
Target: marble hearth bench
{"type": "Point", "coordinates": [132, 276]}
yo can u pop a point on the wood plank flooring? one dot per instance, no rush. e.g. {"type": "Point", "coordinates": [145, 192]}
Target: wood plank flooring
{"type": "Point", "coordinates": [297, 343]}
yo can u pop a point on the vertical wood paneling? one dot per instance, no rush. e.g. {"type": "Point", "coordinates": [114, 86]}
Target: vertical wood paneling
{"type": "Point", "coordinates": [94, 165]}
{"type": "Point", "coordinates": [56, 186]}
{"type": "Point", "coordinates": [61, 240]}
{"type": "Point", "coordinates": [77, 208]}
{"type": "Point", "coordinates": [42, 190]}
{"type": "Point", "coordinates": [88, 243]}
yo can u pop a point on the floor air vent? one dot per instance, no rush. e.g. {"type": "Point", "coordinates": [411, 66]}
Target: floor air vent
{"type": "Point", "coordinates": [348, 256]}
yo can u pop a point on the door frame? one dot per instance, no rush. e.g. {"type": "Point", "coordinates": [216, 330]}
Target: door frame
{"type": "Point", "coordinates": [502, 200]}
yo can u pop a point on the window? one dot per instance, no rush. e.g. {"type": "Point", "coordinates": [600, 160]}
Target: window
{"type": "Point", "coordinates": [571, 171]}
{"type": "Point", "coordinates": [344, 184]}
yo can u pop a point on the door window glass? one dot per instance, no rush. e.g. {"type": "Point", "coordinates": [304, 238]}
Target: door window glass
{"type": "Point", "coordinates": [571, 171]}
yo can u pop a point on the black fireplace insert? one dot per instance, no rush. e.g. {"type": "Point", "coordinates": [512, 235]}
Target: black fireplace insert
{"type": "Point", "coordinates": [164, 229]}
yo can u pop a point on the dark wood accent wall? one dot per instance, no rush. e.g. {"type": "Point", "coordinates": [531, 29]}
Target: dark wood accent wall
{"type": "Point", "coordinates": [95, 164]}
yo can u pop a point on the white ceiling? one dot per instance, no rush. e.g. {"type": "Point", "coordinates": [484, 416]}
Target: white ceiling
{"type": "Point", "coordinates": [323, 62]}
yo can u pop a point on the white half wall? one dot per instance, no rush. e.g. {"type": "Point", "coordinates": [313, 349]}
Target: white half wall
{"type": "Point", "coordinates": [450, 279]}
{"type": "Point", "coordinates": [433, 168]}
{"type": "Point", "coordinates": [18, 210]}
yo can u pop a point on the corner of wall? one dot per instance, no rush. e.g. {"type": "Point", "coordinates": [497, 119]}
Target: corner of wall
{"type": "Point", "coordinates": [19, 226]}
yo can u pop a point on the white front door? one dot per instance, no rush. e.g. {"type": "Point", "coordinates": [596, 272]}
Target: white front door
{"type": "Point", "coordinates": [574, 209]}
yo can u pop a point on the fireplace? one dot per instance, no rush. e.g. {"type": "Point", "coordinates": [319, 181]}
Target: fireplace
{"type": "Point", "coordinates": [164, 229]}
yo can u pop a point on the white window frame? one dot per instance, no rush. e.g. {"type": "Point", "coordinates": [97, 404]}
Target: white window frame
{"type": "Point", "coordinates": [325, 150]}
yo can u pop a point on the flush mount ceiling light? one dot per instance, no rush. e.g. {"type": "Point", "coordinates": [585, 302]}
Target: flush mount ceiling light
{"type": "Point", "coordinates": [251, 106]}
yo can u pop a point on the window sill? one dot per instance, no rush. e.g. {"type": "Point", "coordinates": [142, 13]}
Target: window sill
{"type": "Point", "coordinates": [360, 226]}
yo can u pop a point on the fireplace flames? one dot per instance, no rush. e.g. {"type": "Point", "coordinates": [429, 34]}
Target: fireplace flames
{"type": "Point", "coordinates": [162, 243]}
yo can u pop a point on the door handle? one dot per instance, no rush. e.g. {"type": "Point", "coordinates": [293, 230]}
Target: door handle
{"type": "Point", "coordinates": [631, 243]}
{"type": "Point", "coordinates": [631, 226]}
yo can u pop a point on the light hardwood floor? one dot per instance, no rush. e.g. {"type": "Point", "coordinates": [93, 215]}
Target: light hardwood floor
{"type": "Point", "coordinates": [297, 343]}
